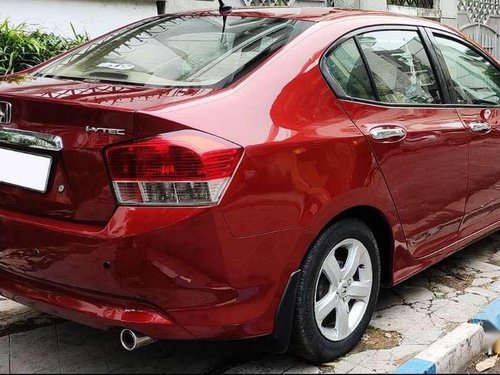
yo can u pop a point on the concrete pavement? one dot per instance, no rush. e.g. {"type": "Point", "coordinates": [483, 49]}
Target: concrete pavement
{"type": "Point", "coordinates": [472, 367]}
{"type": "Point", "coordinates": [408, 319]}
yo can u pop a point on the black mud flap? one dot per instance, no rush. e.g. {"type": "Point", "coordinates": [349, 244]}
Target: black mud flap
{"type": "Point", "coordinates": [279, 341]}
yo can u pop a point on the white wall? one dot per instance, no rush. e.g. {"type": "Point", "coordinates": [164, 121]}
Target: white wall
{"type": "Point", "coordinates": [99, 16]}
{"type": "Point", "coordinates": [93, 16]}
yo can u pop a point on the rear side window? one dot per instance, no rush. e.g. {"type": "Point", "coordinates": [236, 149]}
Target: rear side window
{"type": "Point", "coordinates": [346, 66]}
{"type": "Point", "coordinates": [475, 80]}
{"type": "Point", "coordinates": [400, 67]}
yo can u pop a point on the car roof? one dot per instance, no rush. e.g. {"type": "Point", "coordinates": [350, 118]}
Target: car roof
{"type": "Point", "coordinates": [324, 14]}
{"type": "Point", "coordinates": [313, 14]}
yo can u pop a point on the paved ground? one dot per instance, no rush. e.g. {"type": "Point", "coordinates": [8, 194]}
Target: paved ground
{"type": "Point", "coordinates": [472, 367]}
{"type": "Point", "coordinates": [408, 319]}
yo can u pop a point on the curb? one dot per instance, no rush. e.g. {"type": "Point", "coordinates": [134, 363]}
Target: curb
{"type": "Point", "coordinates": [489, 317]}
{"type": "Point", "coordinates": [454, 351]}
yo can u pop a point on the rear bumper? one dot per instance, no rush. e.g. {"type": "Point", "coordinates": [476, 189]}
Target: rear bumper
{"type": "Point", "coordinates": [89, 310]}
{"type": "Point", "coordinates": [173, 273]}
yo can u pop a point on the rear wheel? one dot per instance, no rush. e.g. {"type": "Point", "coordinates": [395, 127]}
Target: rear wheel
{"type": "Point", "coordinates": [337, 293]}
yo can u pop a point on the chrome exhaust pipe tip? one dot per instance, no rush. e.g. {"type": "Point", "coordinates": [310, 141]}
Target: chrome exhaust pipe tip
{"type": "Point", "coordinates": [132, 341]}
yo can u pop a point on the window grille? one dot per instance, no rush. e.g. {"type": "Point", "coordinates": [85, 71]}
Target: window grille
{"type": "Point", "coordinates": [429, 4]}
{"type": "Point", "coordinates": [260, 3]}
{"type": "Point", "coordinates": [479, 11]}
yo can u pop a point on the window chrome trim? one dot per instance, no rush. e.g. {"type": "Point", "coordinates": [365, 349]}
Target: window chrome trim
{"type": "Point", "coordinates": [25, 138]}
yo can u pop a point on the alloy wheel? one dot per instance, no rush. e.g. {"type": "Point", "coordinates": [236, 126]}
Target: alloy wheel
{"type": "Point", "coordinates": [343, 289]}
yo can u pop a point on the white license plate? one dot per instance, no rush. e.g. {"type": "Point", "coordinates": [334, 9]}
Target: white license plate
{"type": "Point", "coordinates": [26, 170]}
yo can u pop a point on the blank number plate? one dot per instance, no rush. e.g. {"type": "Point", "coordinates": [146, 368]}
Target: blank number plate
{"type": "Point", "coordinates": [25, 170]}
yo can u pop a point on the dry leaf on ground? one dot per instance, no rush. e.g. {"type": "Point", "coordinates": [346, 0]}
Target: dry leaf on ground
{"type": "Point", "coordinates": [487, 364]}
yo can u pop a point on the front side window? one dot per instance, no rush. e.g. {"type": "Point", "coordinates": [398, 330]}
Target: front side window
{"type": "Point", "coordinates": [346, 66]}
{"type": "Point", "coordinates": [475, 80]}
{"type": "Point", "coordinates": [400, 67]}
{"type": "Point", "coordinates": [179, 51]}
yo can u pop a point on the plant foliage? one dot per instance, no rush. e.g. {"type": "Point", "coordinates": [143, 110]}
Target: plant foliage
{"type": "Point", "coordinates": [22, 48]}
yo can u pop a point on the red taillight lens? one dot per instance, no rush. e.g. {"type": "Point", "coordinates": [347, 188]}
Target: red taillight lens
{"type": "Point", "coordinates": [180, 168]}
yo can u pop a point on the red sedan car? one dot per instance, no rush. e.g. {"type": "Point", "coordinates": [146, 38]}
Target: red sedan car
{"type": "Point", "coordinates": [251, 173]}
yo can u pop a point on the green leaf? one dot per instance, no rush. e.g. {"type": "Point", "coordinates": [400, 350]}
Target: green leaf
{"type": "Point", "coordinates": [22, 46]}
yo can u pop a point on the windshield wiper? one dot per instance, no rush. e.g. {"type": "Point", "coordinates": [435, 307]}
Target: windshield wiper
{"type": "Point", "coordinates": [57, 76]}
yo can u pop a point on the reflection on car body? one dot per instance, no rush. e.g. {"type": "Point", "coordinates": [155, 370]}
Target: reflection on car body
{"type": "Point", "coordinates": [256, 173]}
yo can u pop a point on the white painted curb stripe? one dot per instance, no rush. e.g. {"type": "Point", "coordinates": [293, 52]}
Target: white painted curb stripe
{"type": "Point", "coordinates": [454, 351]}
{"type": "Point", "coordinates": [449, 354]}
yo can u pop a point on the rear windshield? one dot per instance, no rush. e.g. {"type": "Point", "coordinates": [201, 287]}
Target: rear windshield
{"type": "Point", "coordinates": [180, 51]}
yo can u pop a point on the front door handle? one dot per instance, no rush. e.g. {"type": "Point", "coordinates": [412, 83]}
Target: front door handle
{"type": "Point", "coordinates": [480, 127]}
{"type": "Point", "coordinates": [388, 134]}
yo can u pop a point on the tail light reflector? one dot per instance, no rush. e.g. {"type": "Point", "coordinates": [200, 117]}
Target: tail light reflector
{"type": "Point", "coordinates": [184, 168]}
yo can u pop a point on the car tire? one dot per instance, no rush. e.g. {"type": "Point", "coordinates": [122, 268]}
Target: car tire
{"type": "Point", "coordinates": [319, 336]}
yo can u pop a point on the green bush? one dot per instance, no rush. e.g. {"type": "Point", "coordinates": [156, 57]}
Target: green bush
{"type": "Point", "coordinates": [22, 48]}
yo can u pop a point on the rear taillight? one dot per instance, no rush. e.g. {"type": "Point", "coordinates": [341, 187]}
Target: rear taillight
{"type": "Point", "coordinates": [183, 168]}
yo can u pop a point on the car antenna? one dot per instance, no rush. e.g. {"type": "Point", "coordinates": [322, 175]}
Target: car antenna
{"type": "Point", "coordinates": [224, 10]}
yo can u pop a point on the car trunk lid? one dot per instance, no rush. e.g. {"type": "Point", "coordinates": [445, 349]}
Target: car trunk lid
{"type": "Point", "coordinates": [86, 117]}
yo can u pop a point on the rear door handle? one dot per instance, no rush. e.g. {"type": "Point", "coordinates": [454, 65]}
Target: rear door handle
{"type": "Point", "coordinates": [388, 134]}
{"type": "Point", "coordinates": [480, 127]}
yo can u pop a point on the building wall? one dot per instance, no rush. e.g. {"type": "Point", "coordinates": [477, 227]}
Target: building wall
{"type": "Point", "coordinates": [92, 16]}
{"type": "Point", "coordinates": [99, 16]}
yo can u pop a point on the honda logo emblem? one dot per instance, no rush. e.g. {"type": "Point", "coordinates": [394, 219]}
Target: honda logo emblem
{"type": "Point", "coordinates": [5, 113]}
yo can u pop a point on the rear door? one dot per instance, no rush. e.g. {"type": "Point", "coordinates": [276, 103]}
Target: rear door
{"type": "Point", "coordinates": [474, 85]}
{"type": "Point", "coordinates": [387, 84]}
